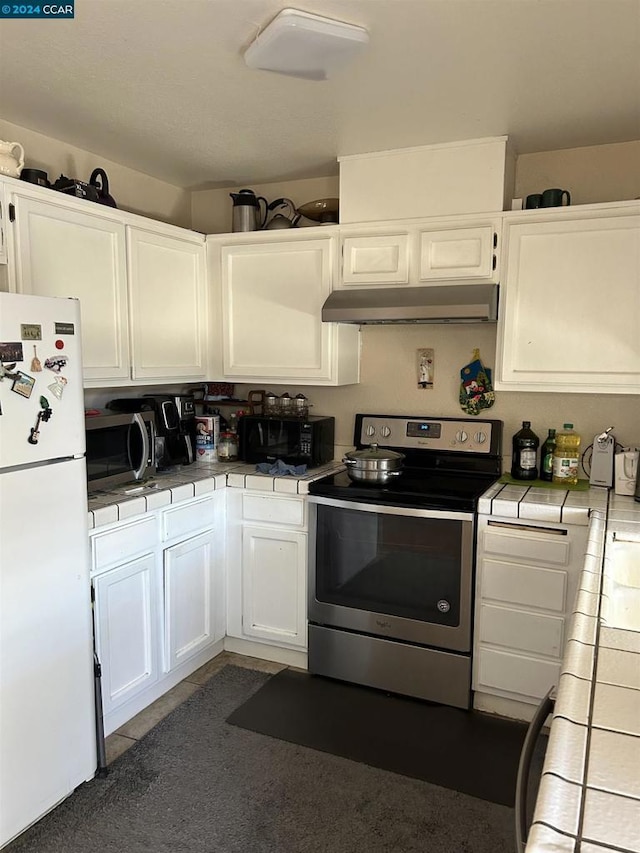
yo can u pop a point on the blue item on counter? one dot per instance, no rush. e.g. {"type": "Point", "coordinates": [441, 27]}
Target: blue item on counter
{"type": "Point", "coordinates": [280, 468]}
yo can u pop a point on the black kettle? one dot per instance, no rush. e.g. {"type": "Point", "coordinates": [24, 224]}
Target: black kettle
{"type": "Point", "coordinates": [100, 181]}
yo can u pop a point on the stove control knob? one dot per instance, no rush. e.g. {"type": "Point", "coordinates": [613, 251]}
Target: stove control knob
{"type": "Point", "coordinates": [480, 437]}
{"type": "Point", "coordinates": [370, 430]}
{"type": "Point", "coordinates": [385, 432]}
{"type": "Point", "coordinates": [461, 436]}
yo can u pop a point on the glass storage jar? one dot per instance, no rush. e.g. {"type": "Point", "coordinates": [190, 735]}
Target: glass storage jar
{"type": "Point", "coordinates": [228, 447]}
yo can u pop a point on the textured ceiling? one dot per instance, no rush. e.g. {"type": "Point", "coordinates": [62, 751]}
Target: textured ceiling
{"type": "Point", "coordinates": [161, 86]}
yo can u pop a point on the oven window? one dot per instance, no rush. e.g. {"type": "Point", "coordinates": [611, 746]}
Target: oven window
{"type": "Point", "coordinates": [391, 564]}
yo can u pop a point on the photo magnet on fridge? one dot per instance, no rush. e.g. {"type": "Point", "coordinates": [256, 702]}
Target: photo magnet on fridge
{"type": "Point", "coordinates": [11, 351]}
{"type": "Point", "coordinates": [23, 384]}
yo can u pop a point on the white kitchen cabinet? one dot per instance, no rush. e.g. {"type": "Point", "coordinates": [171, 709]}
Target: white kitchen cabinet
{"type": "Point", "coordinates": [189, 598]}
{"type": "Point", "coordinates": [450, 254]}
{"type": "Point", "coordinates": [60, 250]}
{"type": "Point", "coordinates": [526, 582]}
{"type": "Point", "coordinates": [168, 299]}
{"type": "Point", "coordinates": [375, 259]}
{"type": "Point", "coordinates": [194, 577]}
{"type": "Point", "coordinates": [569, 316]}
{"type": "Point", "coordinates": [159, 600]}
{"type": "Point", "coordinates": [126, 630]}
{"type": "Point", "coordinates": [427, 252]}
{"type": "Point", "coordinates": [267, 574]}
{"type": "Point", "coordinates": [3, 227]}
{"type": "Point", "coordinates": [274, 585]}
{"type": "Point", "coordinates": [270, 292]}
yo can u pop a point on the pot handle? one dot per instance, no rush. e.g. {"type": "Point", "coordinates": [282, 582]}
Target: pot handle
{"type": "Point", "coordinates": [263, 221]}
{"type": "Point", "coordinates": [393, 473]}
{"type": "Point", "coordinates": [349, 461]}
{"type": "Point", "coordinates": [103, 186]}
{"type": "Point", "coordinates": [20, 155]}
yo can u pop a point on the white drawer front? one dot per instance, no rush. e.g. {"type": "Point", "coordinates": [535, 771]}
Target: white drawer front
{"type": "Point", "coordinates": [376, 259]}
{"type": "Point", "coordinates": [122, 543]}
{"type": "Point", "coordinates": [541, 548]}
{"type": "Point", "coordinates": [526, 677]}
{"type": "Point", "coordinates": [517, 629]}
{"type": "Point", "coordinates": [527, 585]}
{"type": "Point", "coordinates": [187, 518]}
{"type": "Point", "coordinates": [274, 510]}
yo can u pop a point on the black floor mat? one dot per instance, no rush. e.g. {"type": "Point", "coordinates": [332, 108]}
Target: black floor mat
{"type": "Point", "coordinates": [465, 751]}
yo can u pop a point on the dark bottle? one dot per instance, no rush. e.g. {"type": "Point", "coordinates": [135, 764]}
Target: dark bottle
{"type": "Point", "coordinates": [524, 461]}
{"type": "Point", "coordinates": [546, 456]}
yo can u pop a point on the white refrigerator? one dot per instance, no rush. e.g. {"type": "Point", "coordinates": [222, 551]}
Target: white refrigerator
{"type": "Point", "coordinates": [47, 719]}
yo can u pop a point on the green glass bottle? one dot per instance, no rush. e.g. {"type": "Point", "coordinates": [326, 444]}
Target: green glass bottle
{"type": "Point", "coordinates": [546, 456]}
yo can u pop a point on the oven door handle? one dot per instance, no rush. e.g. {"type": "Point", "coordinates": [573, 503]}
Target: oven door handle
{"type": "Point", "coordinates": [522, 782]}
{"type": "Point", "coordinates": [384, 509]}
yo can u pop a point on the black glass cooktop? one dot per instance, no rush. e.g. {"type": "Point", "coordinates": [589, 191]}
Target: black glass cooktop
{"type": "Point", "coordinates": [417, 488]}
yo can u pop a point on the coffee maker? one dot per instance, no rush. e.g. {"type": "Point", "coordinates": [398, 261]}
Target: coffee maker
{"type": "Point", "coordinates": [186, 406]}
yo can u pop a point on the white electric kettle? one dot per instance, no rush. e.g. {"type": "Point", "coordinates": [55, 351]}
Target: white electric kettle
{"type": "Point", "coordinates": [9, 165]}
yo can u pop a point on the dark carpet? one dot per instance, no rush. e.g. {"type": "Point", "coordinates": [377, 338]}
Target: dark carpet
{"type": "Point", "coordinates": [195, 784]}
{"type": "Point", "coordinates": [466, 751]}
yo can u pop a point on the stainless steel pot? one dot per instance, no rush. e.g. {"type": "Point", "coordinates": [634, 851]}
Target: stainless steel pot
{"type": "Point", "coordinates": [373, 465]}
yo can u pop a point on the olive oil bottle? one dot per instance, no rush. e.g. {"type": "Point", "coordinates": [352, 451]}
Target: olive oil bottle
{"type": "Point", "coordinates": [546, 456]}
{"type": "Point", "coordinates": [566, 456]}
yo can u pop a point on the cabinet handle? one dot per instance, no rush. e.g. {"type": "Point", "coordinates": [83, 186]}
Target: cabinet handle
{"type": "Point", "coordinates": [530, 528]}
{"type": "Point", "coordinates": [12, 213]}
{"type": "Point", "coordinates": [522, 782]}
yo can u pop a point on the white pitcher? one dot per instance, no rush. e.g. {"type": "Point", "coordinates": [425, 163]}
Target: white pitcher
{"type": "Point", "coordinates": [9, 165]}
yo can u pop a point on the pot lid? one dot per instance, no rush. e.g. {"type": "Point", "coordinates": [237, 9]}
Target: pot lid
{"type": "Point", "coordinates": [374, 453]}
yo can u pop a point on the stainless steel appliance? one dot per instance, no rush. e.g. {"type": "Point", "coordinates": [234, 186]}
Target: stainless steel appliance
{"type": "Point", "coordinates": [120, 448]}
{"type": "Point", "coordinates": [247, 214]}
{"type": "Point", "coordinates": [172, 446]}
{"type": "Point", "coordinates": [296, 441]}
{"type": "Point", "coordinates": [391, 566]}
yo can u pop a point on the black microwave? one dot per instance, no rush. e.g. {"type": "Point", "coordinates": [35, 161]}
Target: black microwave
{"type": "Point", "coordinates": [120, 448]}
{"type": "Point", "coordinates": [297, 441]}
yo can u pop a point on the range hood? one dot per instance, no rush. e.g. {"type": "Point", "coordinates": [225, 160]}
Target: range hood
{"type": "Point", "coordinates": [461, 303]}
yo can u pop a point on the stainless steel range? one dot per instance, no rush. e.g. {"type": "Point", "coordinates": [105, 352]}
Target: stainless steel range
{"type": "Point", "coordinates": [391, 567]}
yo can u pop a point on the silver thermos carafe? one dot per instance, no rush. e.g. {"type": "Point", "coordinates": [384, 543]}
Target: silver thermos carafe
{"type": "Point", "coordinates": [247, 215]}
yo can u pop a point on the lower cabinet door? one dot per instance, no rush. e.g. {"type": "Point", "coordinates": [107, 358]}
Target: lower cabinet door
{"type": "Point", "coordinates": [274, 565]}
{"type": "Point", "coordinates": [190, 598]}
{"type": "Point", "coordinates": [126, 619]}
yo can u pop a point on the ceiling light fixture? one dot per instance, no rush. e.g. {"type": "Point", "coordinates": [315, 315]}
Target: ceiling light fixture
{"type": "Point", "coordinates": [300, 44]}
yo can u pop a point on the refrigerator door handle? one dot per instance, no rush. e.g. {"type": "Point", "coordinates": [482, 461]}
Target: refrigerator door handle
{"type": "Point", "coordinates": [139, 472]}
{"type": "Point", "coordinates": [522, 784]}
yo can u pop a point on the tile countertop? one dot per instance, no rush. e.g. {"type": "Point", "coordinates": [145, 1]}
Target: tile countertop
{"type": "Point", "coordinates": [109, 506]}
{"type": "Point", "coordinates": [589, 796]}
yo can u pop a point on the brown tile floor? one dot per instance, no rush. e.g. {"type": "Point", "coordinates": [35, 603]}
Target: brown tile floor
{"type": "Point", "coordinates": [130, 732]}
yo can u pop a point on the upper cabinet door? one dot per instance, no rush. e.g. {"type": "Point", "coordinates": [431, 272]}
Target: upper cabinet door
{"type": "Point", "coordinates": [458, 253]}
{"type": "Point", "coordinates": [375, 259]}
{"type": "Point", "coordinates": [272, 297]}
{"type": "Point", "coordinates": [570, 303]}
{"type": "Point", "coordinates": [62, 252]}
{"type": "Point", "coordinates": [168, 305]}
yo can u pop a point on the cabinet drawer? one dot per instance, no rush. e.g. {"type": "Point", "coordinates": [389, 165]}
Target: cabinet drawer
{"type": "Point", "coordinates": [186, 518]}
{"type": "Point", "coordinates": [543, 547]}
{"type": "Point", "coordinates": [121, 543]}
{"type": "Point", "coordinates": [274, 510]}
{"type": "Point", "coordinates": [518, 629]}
{"type": "Point", "coordinates": [457, 253]}
{"type": "Point", "coordinates": [524, 676]}
{"type": "Point", "coordinates": [530, 586]}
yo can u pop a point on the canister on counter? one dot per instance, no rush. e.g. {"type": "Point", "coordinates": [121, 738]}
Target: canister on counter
{"type": "Point", "coordinates": [207, 438]}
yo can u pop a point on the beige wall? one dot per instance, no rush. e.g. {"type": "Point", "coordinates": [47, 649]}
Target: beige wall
{"type": "Point", "coordinates": [211, 209]}
{"type": "Point", "coordinates": [596, 174]}
{"type": "Point", "coordinates": [133, 191]}
{"type": "Point", "coordinates": [389, 386]}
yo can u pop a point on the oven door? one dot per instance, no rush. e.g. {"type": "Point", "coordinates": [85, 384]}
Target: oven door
{"type": "Point", "coordinates": [394, 572]}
